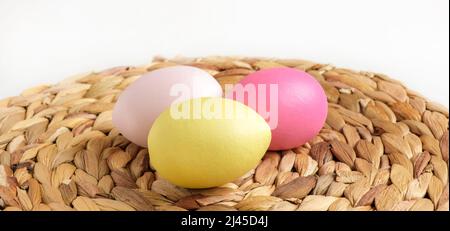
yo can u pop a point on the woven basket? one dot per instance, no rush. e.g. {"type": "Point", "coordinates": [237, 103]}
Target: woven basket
{"type": "Point", "coordinates": [383, 147]}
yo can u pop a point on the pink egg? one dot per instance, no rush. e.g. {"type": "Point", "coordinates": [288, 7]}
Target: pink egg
{"type": "Point", "coordinates": [292, 102]}
{"type": "Point", "coordinates": [140, 103]}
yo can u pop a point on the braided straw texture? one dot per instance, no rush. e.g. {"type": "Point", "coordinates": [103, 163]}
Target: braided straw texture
{"type": "Point", "coordinates": [383, 147]}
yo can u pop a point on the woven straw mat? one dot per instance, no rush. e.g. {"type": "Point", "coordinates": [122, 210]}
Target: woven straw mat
{"type": "Point", "coordinates": [383, 147]}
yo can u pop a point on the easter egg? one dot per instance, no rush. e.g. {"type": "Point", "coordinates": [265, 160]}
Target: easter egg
{"type": "Point", "coordinates": [140, 103]}
{"type": "Point", "coordinates": [292, 102]}
{"type": "Point", "coordinates": [207, 147]}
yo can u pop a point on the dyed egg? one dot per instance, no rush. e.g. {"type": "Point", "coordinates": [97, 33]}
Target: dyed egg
{"type": "Point", "coordinates": [204, 148]}
{"type": "Point", "coordinates": [292, 102]}
{"type": "Point", "coordinates": [140, 103]}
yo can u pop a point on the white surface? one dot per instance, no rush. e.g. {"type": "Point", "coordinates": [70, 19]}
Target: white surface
{"type": "Point", "coordinates": [44, 41]}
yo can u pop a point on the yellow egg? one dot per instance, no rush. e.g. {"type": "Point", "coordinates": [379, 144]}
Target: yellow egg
{"type": "Point", "coordinates": [207, 142]}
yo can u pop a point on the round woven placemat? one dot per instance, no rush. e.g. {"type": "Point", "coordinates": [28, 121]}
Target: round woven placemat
{"type": "Point", "coordinates": [383, 147]}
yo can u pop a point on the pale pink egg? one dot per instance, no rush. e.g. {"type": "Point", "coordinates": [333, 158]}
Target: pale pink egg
{"type": "Point", "coordinates": [140, 103]}
{"type": "Point", "coordinates": [292, 102]}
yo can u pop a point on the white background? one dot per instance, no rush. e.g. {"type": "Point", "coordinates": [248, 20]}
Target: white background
{"type": "Point", "coordinates": [44, 41]}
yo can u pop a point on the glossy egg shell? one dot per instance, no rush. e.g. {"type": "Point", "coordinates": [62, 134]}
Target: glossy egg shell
{"type": "Point", "coordinates": [208, 152]}
{"type": "Point", "coordinates": [301, 104]}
